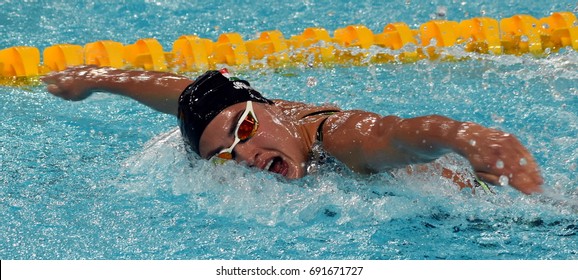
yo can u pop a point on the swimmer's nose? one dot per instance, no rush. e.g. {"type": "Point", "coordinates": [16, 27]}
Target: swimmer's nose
{"type": "Point", "coordinates": [245, 152]}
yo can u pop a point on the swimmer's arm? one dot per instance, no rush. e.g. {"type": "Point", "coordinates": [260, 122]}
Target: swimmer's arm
{"type": "Point", "coordinates": [158, 90]}
{"type": "Point", "coordinates": [369, 142]}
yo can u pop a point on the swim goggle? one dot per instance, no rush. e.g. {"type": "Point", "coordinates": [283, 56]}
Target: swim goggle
{"type": "Point", "coordinates": [246, 128]}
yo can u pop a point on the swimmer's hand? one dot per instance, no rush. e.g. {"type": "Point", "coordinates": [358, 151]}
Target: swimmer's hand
{"type": "Point", "coordinates": [71, 84]}
{"type": "Point", "coordinates": [499, 158]}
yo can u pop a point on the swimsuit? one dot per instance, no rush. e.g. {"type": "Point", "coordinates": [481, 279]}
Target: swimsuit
{"type": "Point", "coordinates": [311, 115]}
{"type": "Point", "coordinates": [318, 156]}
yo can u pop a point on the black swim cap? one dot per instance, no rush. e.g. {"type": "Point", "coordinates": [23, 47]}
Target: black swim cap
{"type": "Point", "coordinates": [206, 97]}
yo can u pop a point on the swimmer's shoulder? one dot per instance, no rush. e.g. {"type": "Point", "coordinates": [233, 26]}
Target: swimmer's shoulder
{"type": "Point", "coordinates": [353, 137]}
{"type": "Point", "coordinates": [300, 110]}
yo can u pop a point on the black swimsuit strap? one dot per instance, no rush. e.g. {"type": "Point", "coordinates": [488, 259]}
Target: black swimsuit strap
{"type": "Point", "coordinates": [319, 135]}
{"type": "Point", "coordinates": [317, 155]}
{"type": "Point", "coordinates": [323, 112]}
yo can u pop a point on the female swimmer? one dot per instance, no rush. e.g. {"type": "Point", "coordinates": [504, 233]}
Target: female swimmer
{"type": "Point", "coordinates": [224, 118]}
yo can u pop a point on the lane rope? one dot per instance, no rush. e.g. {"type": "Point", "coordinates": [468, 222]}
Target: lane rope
{"type": "Point", "coordinates": [351, 45]}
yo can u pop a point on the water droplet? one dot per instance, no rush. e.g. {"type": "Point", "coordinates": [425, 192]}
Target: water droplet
{"type": "Point", "coordinates": [311, 81]}
{"type": "Point", "coordinates": [504, 180]}
{"type": "Point", "coordinates": [524, 38]}
{"type": "Point", "coordinates": [499, 164]}
{"type": "Point", "coordinates": [473, 142]}
{"type": "Point", "coordinates": [523, 161]}
{"type": "Point", "coordinates": [497, 118]}
{"type": "Point", "coordinates": [441, 12]}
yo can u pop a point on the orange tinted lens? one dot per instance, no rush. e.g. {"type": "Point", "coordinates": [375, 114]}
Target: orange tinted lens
{"type": "Point", "coordinates": [247, 127]}
{"type": "Point", "coordinates": [225, 155]}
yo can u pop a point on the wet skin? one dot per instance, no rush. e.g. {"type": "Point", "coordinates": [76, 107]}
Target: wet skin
{"type": "Point", "coordinates": [364, 141]}
{"type": "Point", "coordinates": [279, 145]}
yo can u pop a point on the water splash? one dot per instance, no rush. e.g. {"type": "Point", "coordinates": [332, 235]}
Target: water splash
{"type": "Point", "coordinates": [63, 197]}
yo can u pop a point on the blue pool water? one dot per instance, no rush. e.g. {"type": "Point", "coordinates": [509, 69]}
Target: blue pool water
{"type": "Point", "coordinates": [106, 179]}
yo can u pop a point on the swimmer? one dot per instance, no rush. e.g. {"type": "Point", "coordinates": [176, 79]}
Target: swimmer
{"type": "Point", "coordinates": [224, 118]}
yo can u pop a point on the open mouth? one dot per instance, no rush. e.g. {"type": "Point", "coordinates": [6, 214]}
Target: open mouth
{"type": "Point", "coordinates": [277, 165]}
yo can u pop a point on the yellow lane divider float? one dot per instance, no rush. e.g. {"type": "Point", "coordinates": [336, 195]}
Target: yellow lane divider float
{"type": "Point", "coordinates": [516, 35]}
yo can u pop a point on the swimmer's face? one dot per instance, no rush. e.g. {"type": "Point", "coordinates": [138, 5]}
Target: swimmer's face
{"type": "Point", "coordinates": [276, 145]}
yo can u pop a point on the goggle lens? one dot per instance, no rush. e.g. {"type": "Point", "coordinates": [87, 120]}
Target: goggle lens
{"type": "Point", "coordinates": [246, 128]}
{"type": "Point", "coordinates": [225, 155]}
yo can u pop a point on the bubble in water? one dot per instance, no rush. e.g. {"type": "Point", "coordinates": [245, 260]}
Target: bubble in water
{"type": "Point", "coordinates": [524, 38]}
{"type": "Point", "coordinates": [441, 12]}
{"type": "Point", "coordinates": [523, 161]}
{"type": "Point", "coordinates": [311, 81]}
{"type": "Point", "coordinates": [497, 118]}
{"type": "Point", "coordinates": [504, 180]}
{"type": "Point", "coordinates": [499, 164]}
